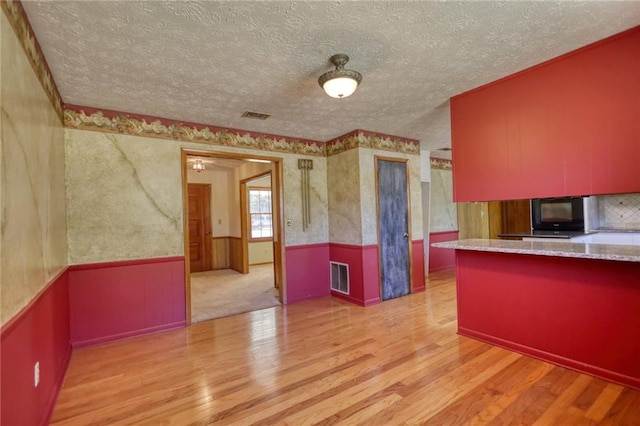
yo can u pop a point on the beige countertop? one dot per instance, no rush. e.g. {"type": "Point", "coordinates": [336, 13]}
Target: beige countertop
{"type": "Point", "coordinates": [621, 253]}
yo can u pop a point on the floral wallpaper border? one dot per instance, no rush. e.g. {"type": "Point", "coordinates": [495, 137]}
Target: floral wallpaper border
{"type": "Point", "coordinates": [17, 17]}
{"type": "Point", "coordinates": [378, 141]}
{"type": "Point", "coordinates": [441, 164]}
{"type": "Point", "coordinates": [114, 122]}
{"type": "Point", "coordinates": [117, 122]}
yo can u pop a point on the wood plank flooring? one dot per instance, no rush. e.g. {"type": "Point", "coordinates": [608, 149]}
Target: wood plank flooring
{"type": "Point", "coordinates": [326, 362]}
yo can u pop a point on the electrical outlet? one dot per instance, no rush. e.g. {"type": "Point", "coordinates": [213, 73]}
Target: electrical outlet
{"type": "Point", "coordinates": [36, 374]}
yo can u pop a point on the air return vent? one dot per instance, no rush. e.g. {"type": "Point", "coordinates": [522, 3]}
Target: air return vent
{"type": "Point", "coordinates": [256, 115]}
{"type": "Point", "coordinates": [340, 277]}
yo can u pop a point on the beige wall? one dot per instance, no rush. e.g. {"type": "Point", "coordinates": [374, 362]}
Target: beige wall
{"type": "Point", "coordinates": [219, 181]}
{"type": "Point", "coordinates": [34, 232]}
{"type": "Point", "coordinates": [124, 196]}
{"type": "Point", "coordinates": [318, 197]}
{"type": "Point", "coordinates": [444, 214]}
{"type": "Point", "coordinates": [353, 214]}
{"type": "Point", "coordinates": [343, 181]}
{"type": "Point", "coordinates": [260, 252]}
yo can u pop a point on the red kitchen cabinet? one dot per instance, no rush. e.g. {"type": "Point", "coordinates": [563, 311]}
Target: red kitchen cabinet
{"type": "Point", "coordinates": [539, 112]}
{"type": "Point", "coordinates": [603, 95]}
{"type": "Point", "coordinates": [570, 126]}
{"type": "Point", "coordinates": [483, 126]}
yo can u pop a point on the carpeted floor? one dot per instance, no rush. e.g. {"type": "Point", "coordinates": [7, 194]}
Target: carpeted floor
{"type": "Point", "coordinates": [217, 294]}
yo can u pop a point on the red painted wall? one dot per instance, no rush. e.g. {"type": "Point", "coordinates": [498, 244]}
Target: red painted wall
{"type": "Point", "coordinates": [441, 258]}
{"type": "Point", "coordinates": [364, 274]}
{"type": "Point", "coordinates": [352, 256]}
{"type": "Point", "coordinates": [371, 275]}
{"type": "Point", "coordinates": [307, 272]}
{"type": "Point", "coordinates": [39, 333]}
{"type": "Point", "coordinates": [115, 300]}
{"type": "Point", "coordinates": [579, 313]}
{"type": "Point", "coordinates": [417, 255]}
{"type": "Point", "coordinates": [364, 282]}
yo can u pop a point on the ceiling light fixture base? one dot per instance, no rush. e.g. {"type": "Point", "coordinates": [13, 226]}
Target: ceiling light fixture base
{"type": "Point", "coordinates": [340, 83]}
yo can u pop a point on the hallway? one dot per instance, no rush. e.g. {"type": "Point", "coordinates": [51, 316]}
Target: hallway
{"type": "Point", "coordinates": [221, 293]}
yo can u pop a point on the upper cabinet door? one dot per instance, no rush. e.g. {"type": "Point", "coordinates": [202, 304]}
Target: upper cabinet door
{"type": "Point", "coordinates": [570, 126]}
{"type": "Point", "coordinates": [481, 122]}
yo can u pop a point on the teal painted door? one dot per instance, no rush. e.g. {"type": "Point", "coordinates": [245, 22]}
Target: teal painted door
{"type": "Point", "coordinates": [393, 220]}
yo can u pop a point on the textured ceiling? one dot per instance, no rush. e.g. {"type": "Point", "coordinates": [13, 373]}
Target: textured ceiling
{"type": "Point", "coordinates": [208, 62]}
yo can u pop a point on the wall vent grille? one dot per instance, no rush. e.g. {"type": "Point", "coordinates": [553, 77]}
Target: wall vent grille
{"type": "Point", "coordinates": [340, 277]}
{"type": "Point", "coordinates": [255, 115]}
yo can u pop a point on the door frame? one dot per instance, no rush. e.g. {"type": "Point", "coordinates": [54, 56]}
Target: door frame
{"type": "Point", "coordinates": [376, 158]}
{"type": "Point", "coordinates": [277, 212]}
{"type": "Point", "coordinates": [244, 219]}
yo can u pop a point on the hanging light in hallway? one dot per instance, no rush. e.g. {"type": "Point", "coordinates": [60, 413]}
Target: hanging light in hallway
{"type": "Point", "coordinates": [198, 166]}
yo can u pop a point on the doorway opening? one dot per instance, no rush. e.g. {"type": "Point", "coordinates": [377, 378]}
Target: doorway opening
{"type": "Point", "coordinates": [232, 233]}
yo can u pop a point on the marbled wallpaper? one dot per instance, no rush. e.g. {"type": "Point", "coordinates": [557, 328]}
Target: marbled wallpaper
{"type": "Point", "coordinates": [318, 230]}
{"type": "Point", "coordinates": [368, 194]}
{"type": "Point", "coordinates": [444, 213]}
{"type": "Point", "coordinates": [124, 196]}
{"type": "Point", "coordinates": [33, 237]}
{"type": "Point", "coordinates": [343, 182]}
{"type": "Point", "coordinates": [353, 212]}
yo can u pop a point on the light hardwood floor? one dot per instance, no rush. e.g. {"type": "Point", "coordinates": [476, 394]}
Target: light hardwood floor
{"type": "Point", "coordinates": [326, 362]}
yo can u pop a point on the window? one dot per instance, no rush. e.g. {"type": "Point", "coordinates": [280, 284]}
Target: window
{"type": "Point", "coordinates": [260, 213]}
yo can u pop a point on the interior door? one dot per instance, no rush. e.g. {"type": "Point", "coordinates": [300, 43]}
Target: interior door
{"type": "Point", "coordinates": [393, 232]}
{"type": "Point", "coordinates": [199, 210]}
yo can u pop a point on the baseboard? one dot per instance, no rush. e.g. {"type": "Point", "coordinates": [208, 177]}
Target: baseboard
{"type": "Point", "coordinates": [51, 404]}
{"type": "Point", "coordinates": [612, 376]}
{"type": "Point", "coordinates": [347, 298]}
{"type": "Point", "coordinates": [128, 335]}
{"type": "Point", "coordinates": [359, 302]}
{"type": "Point", "coordinates": [372, 301]}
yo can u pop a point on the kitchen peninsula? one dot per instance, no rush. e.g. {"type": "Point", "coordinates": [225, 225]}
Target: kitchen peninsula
{"type": "Point", "coordinates": [571, 304]}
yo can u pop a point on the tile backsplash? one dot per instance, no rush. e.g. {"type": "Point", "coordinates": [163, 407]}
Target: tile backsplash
{"type": "Point", "coordinates": [620, 211]}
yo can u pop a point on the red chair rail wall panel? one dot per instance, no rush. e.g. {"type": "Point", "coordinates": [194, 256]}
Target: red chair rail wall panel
{"type": "Point", "coordinates": [440, 258]}
{"type": "Point", "coordinates": [307, 271]}
{"type": "Point", "coordinates": [39, 333]}
{"type": "Point", "coordinates": [115, 300]}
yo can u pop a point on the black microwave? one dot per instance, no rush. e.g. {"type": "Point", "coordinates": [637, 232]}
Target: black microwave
{"type": "Point", "coordinates": [557, 214]}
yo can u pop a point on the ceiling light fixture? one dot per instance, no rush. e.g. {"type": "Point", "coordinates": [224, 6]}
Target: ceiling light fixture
{"type": "Point", "coordinates": [198, 166]}
{"type": "Point", "coordinates": [340, 83]}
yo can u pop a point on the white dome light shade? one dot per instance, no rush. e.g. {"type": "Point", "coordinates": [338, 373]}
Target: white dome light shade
{"type": "Point", "coordinates": [340, 83]}
{"type": "Point", "coordinates": [340, 87]}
